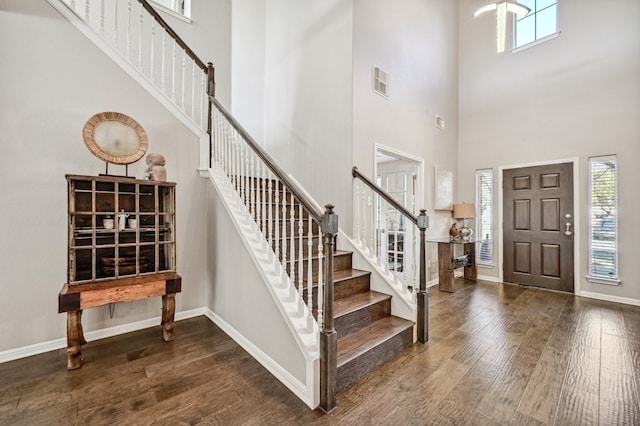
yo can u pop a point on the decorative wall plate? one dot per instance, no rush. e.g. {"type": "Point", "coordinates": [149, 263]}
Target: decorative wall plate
{"type": "Point", "coordinates": [115, 138]}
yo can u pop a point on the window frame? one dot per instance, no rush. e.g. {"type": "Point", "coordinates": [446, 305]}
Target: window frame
{"type": "Point", "coordinates": [184, 15]}
{"type": "Point", "coordinates": [490, 223]}
{"type": "Point", "coordinates": [591, 275]}
{"type": "Point", "coordinates": [537, 40]}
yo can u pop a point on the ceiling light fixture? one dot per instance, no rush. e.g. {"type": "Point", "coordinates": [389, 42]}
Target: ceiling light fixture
{"type": "Point", "coordinates": [502, 7]}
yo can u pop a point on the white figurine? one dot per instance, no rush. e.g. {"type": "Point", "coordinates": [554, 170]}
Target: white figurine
{"type": "Point", "coordinates": [122, 220]}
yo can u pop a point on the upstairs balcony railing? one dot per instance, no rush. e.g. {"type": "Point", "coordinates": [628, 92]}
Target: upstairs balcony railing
{"type": "Point", "coordinates": [139, 34]}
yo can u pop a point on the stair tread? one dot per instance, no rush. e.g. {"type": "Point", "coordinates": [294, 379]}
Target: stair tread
{"type": "Point", "coordinates": [355, 344]}
{"type": "Point", "coordinates": [351, 303]}
{"type": "Point", "coordinates": [345, 274]}
{"type": "Point", "coordinates": [315, 256]}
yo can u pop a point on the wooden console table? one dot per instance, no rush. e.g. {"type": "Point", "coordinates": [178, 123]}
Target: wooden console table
{"type": "Point", "coordinates": [447, 263]}
{"type": "Point", "coordinates": [74, 298]}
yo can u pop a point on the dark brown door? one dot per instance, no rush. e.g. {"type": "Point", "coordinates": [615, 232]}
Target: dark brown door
{"type": "Point", "coordinates": [538, 226]}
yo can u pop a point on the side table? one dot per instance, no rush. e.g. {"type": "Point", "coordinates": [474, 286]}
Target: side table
{"type": "Point", "coordinates": [74, 298]}
{"type": "Point", "coordinates": [447, 263]}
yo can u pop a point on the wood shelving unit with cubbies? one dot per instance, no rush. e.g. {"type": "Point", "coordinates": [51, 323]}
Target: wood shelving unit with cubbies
{"type": "Point", "coordinates": [134, 259]}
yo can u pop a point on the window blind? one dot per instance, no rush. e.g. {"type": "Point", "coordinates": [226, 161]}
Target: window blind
{"type": "Point", "coordinates": [603, 235]}
{"type": "Point", "coordinates": [484, 215]}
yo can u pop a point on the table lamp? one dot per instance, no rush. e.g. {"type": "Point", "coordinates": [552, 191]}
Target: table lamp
{"type": "Point", "coordinates": [464, 212]}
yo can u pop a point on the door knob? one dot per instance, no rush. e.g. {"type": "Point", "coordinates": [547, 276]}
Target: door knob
{"type": "Point", "coordinates": [568, 231]}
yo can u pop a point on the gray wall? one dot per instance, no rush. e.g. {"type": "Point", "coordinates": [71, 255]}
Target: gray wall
{"type": "Point", "coordinates": [575, 96]}
{"type": "Point", "coordinates": [292, 72]}
{"type": "Point", "coordinates": [52, 79]}
{"type": "Point", "coordinates": [416, 43]}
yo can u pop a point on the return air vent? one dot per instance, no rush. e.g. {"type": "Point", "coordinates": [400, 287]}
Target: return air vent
{"type": "Point", "coordinates": [380, 82]}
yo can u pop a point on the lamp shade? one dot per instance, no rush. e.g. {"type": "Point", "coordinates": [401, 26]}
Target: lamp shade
{"type": "Point", "coordinates": [464, 211]}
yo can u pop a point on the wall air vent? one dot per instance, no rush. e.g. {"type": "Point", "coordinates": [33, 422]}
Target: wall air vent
{"type": "Point", "coordinates": [380, 82]}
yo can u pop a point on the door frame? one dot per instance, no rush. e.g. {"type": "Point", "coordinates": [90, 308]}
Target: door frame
{"type": "Point", "coordinates": [576, 215]}
{"type": "Point", "coordinates": [407, 157]}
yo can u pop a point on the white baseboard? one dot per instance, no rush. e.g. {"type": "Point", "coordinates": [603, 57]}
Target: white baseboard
{"type": "Point", "coordinates": [296, 386]}
{"type": "Point", "coordinates": [52, 345]}
{"type": "Point", "coordinates": [609, 298]}
{"type": "Point", "coordinates": [433, 282]}
{"type": "Point", "coordinates": [489, 278]}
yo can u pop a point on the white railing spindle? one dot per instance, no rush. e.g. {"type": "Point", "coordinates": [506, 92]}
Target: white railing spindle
{"type": "Point", "coordinates": [193, 91]}
{"type": "Point", "coordinates": [101, 16]}
{"type": "Point", "coordinates": [115, 23]}
{"type": "Point", "coordinates": [202, 92]}
{"type": "Point", "coordinates": [251, 198]}
{"type": "Point", "coordinates": [300, 252]}
{"type": "Point", "coordinates": [277, 220]}
{"type": "Point", "coordinates": [320, 290]}
{"type": "Point", "coordinates": [309, 268]}
{"type": "Point", "coordinates": [173, 72]}
{"type": "Point", "coordinates": [140, 36]}
{"type": "Point", "coordinates": [270, 212]}
{"type": "Point", "coordinates": [163, 77]}
{"type": "Point", "coordinates": [129, 29]}
{"type": "Point", "coordinates": [363, 216]}
{"type": "Point", "coordinates": [184, 72]}
{"type": "Point", "coordinates": [283, 249]}
{"type": "Point", "coordinates": [356, 216]}
{"type": "Point", "coordinates": [152, 49]}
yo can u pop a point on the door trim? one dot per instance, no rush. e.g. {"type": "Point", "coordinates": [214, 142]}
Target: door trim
{"type": "Point", "coordinates": [420, 189]}
{"type": "Point", "coordinates": [576, 216]}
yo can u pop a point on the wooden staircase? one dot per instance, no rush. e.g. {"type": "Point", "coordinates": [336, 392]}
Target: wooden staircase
{"type": "Point", "coordinates": [368, 335]}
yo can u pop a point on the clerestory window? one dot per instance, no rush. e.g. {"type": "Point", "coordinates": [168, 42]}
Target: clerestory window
{"type": "Point", "coordinates": [541, 22]}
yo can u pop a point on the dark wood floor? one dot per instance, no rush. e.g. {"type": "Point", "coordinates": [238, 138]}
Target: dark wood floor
{"type": "Point", "coordinates": [498, 354]}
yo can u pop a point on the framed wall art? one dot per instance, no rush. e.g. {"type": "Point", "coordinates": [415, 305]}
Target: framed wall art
{"type": "Point", "coordinates": [443, 191]}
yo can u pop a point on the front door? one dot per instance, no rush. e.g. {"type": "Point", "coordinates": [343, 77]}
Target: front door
{"type": "Point", "coordinates": [538, 226]}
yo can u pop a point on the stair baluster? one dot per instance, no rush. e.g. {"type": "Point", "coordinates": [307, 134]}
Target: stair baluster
{"type": "Point", "coordinates": [400, 256]}
{"type": "Point", "coordinates": [309, 267]}
{"type": "Point", "coordinates": [300, 255]}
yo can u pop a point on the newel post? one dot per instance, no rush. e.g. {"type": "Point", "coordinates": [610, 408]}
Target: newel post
{"type": "Point", "coordinates": [211, 91]}
{"type": "Point", "coordinates": [423, 296]}
{"type": "Point", "coordinates": [328, 335]}
{"type": "Point", "coordinates": [211, 80]}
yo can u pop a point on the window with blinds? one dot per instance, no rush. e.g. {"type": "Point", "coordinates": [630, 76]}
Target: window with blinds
{"type": "Point", "coordinates": [603, 229]}
{"type": "Point", "coordinates": [484, 215]}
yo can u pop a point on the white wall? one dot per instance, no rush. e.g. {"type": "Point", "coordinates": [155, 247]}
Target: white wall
{"type": "Point", "coordinates": [308, 95]}
{"type": "Point", "coordinates": [248, 65]}
{"type": "Point", "coordinates": [240, 297]}
{"type": "Point", "coordinates": [52, 79]}
{"type": "Point", "coordinates": [415, 41]}
{"type": "Point", "coordinates": [209, 36]}
{"type": "Point", "coordinates": [572, 97]}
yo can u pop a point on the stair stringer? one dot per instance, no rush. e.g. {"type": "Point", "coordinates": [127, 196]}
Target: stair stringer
{"type": "Point", "coordinates": [403, 304]}
{"type": "Point", "coordinates": [139, 78]}
{"type": "Point", "coordinates": [283, 294]}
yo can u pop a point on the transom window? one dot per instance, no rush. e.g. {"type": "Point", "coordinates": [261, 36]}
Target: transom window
{"type": "Point", "coordinates": [541, 22]}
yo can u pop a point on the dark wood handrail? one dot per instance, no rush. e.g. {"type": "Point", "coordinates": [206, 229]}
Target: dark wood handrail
{"type": "Point", "coordinates": [300, 195]}
{"type": "Point", "coordinates": [173, 34]}
{"type": "Point", "coordinates": [422, 222]}
{"type": "Point", "coordinates": [356, 174]}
